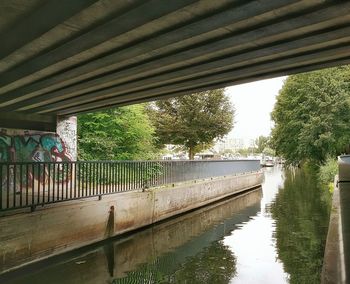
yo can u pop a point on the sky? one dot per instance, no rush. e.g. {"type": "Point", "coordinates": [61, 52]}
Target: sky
{"type": "Point", "coordinates": [253, 103]}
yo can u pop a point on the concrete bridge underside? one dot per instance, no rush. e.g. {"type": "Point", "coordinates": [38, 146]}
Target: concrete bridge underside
{"type": "Point", "coordinates": [66, 57]}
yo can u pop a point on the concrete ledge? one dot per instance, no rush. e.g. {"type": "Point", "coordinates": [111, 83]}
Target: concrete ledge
{"type": "Point", "coordinates": [29, 237]}
{"type": "Point", "coordinates": [333, 262]}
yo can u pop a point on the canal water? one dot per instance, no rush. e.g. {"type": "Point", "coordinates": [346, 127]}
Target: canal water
{"type": "Point", "coordinates": [273, 234]}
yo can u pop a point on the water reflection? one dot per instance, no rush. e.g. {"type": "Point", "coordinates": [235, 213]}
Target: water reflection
{"type": "Point", "coordinates": [287, 238]}
{"type": "Point", "coordinates": [254, 244]}
{"type": "Point", "coordinates": [301, 211]}
{"type": "Point", "coordinates": [273, 235]}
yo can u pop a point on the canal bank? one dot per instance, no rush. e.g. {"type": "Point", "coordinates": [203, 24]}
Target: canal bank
{"type": "Point", "coordinates": [274, 237]}
{"type": "Point", "coordinates": [58, 228]}
{"type": "Point", "coordinates": [333, 270]}
{"type": "Point", "coordinates": [337, 258]}
{"type": "Point", "coordinates": [187, 235]}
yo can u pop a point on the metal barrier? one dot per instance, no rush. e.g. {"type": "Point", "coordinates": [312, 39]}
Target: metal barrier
{"type": "Point", "coordinates": [29, 184]}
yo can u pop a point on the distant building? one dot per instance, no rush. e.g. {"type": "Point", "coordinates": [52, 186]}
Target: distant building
{"type": "Point", "coordinates": [232, 144]}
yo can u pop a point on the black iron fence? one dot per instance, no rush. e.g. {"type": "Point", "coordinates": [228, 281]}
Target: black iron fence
{"type": "Point", "coordinates": [33, 184]}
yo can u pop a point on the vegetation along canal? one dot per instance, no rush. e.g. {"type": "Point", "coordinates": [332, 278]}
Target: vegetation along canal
{"type": "Point", "coordinates": [273, 234]}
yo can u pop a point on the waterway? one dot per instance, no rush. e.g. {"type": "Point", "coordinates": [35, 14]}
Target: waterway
{"type": "Point", "coordinates": [273, 234]}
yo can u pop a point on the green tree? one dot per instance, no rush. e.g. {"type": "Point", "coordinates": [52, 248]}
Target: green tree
{"type": "Point", "coordinates": [268, 151]}
{"type": "Point", "coordinates": [261, 143]}
{"type": "Point", "coordinates": [312, 116]}
{"type": "Point", "coordinates": [118, 134]}
{"type": "Point", "coordinates": [193, 120]}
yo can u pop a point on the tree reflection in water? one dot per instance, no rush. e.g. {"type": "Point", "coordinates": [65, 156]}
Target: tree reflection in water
{"type": "Point", "coordinates": [214, 264]}
{"type": "Point", "coordinates": [301, 210]}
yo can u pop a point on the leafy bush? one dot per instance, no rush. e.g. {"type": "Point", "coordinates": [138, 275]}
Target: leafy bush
{"type": "Point", "coordinates": [327, 171]}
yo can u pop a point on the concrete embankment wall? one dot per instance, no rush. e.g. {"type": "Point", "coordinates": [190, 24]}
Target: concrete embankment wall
{"type": "Point", "coordinates": [332, 262]}
{"type": "Point", "coordinates": [188, 233]}
{"type": "Point", "coordinates": [28, 237]}
{"type": "Point", "coordinates": [336, 263]}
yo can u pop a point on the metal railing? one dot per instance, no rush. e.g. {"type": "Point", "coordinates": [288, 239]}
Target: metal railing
{"type": "Point", "coordinates": [30, 184]}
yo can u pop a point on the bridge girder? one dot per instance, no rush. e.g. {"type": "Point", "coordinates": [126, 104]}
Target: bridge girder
{"type": "Point", "coordinates": [67, 57]}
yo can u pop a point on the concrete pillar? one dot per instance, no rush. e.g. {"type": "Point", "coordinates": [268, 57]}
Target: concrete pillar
{"type": "Point", "coordinates": [67, 131]}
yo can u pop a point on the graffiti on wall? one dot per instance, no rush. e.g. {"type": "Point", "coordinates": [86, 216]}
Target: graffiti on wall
{"type": "Point", "coordinates": [32, 147]}
{"type": "Point", "coordinates": [26, 146]}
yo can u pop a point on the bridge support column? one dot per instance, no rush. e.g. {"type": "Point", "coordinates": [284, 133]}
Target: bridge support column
{"type": "Point", "coordinates": [67, 130]}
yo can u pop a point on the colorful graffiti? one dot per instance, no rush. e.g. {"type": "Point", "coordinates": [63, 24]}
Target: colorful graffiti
{"type": "Point", "coordinates": [32, 147]}
{"type": "Point", "coordinates": [30, 182]}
